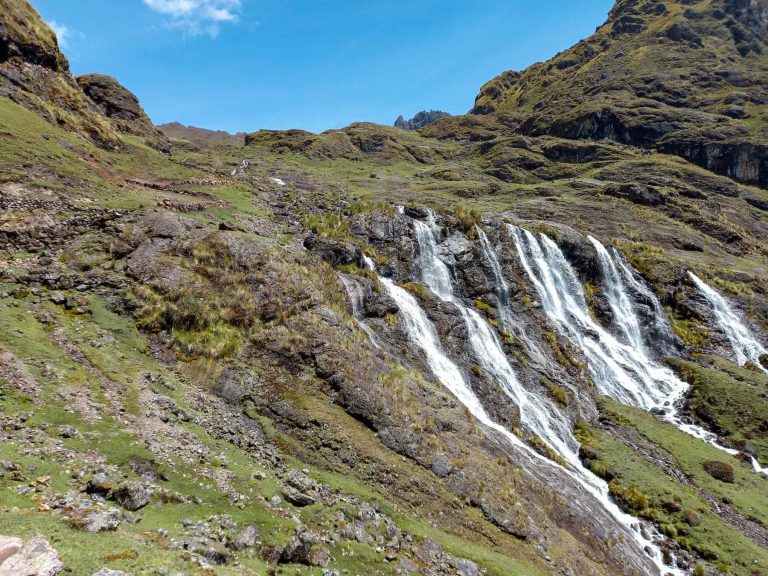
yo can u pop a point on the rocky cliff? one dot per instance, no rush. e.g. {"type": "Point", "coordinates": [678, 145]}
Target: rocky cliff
{"type": "Point", "coordinates": [686, 78]}
{"type": "Point", "coordinates": [423, 118]}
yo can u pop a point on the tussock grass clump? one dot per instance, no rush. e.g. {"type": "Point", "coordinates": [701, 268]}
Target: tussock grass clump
{"type": "Point", "coordinates": [418, 290]}
{"type": "Point", "coordinates": [468, 218]}
{"type": "Point", "coordinates": [199, 327]}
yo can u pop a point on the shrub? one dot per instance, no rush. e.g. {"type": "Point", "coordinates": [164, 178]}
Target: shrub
{"type": "Point", "coordinates": [692, 517]}
{"type": "Point", "coordinates": [468, 218]}
{"type": "Point", "coordinates": [631, 499]}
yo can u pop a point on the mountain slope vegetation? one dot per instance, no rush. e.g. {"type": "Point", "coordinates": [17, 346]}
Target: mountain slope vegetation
{"type": "Point", "coordinates": [200, 372]}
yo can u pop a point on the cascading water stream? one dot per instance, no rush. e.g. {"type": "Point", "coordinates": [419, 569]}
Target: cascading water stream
{"type": "Point", "coordinates": [423, 334]}
{"type": "Point", "coordinates": [502, 296]}
{"type": "Point", "coordinates": [622, 370]}
{"type": "Point", "coordinates": [745, 345]}
{"type": "Point", "coordinates": [537, 415]}
{"type": "Point", "coordinates": [356, 297]}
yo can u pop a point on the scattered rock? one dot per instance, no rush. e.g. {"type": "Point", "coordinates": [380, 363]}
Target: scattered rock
{"type": "Point", "coordinates": [720, 471]}
{"type": "Point", "coordinates": [246, 538]}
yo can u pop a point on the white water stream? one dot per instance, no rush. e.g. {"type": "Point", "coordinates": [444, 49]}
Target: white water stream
{"type": "Point", "coordinates": [538, 415]}
{"type": "Point", "coordinates": [621, 367]}
{"type": "Point", "coordinates": [745, 345]}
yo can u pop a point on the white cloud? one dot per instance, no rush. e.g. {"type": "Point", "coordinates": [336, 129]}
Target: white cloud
{"type": "Point", "coordinates": [63, 33]}
{"type": "Point", "coordinates": [198, 16]}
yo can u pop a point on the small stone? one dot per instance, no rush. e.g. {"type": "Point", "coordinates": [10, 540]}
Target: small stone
{"type": "Point", "coordinates": [67, 431]}
{"type": "Point", "coordinates": [109, 572]}
{"type": "Point", "coordinates": [318, 556]}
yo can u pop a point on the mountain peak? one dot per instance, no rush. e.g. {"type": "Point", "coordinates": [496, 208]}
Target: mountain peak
{"type": "Point", "coordinates": [422, 119]}
{"type": "Point", "coordinates": [686, 77]}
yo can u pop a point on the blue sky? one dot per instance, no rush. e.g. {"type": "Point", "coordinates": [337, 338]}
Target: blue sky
{"type": "Point", "coordinates": [241, 65]}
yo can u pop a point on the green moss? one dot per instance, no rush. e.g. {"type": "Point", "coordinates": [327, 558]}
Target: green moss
{"type": "Point", "coordinates": [418, 290]}
{"type": "Point", "coordinates": [558, 394]}
{"type": "Point", "coordinates": [692, 333]}
{"type": "Point", "coordinates": [485, 308]}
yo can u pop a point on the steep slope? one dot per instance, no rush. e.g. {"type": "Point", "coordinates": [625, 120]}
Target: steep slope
{"type": "Point", "coordinates": [200, 370]}
{"type": "Point", "coordinates": [688, 78]}
{"type": "Point", "coordinates": [35, 74]}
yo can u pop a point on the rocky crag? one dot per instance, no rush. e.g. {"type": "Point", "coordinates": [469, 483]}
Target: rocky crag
{"type": "Point", "coordinates": [422, 119]}
{"type": "Point", "coordinates": [476, 348]}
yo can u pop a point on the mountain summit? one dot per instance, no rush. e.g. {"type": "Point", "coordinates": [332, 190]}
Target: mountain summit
{"type": "Point", "coordinates": [684, 77]}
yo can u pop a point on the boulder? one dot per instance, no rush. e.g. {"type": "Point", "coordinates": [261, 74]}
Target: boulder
{"type": "Point", "coordinates": [334, 251]}
{"type": "Point", "coordinates": [246, 538]}
{"type": "Point", "coordinates": [9, 546]}
{"type": "Point", "coordinates": [231, 385]}
{"type": "Point", "coordinates": [296, 497]}
{"type": "Point", "coordinates": [720, 471]}
{"type": "Point", "coordinates": [131, 496]}
{"type": "Point", "coordinates": [35, 558]}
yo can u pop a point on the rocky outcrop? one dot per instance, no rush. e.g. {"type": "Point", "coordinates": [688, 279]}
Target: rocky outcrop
{"type": "Point", "coordinates": [422, 119]}
{"type": "Point", "coordinates": [24, 37]}
{"type": "Point", "coordinates": [122, 107]}
{"type": "Point", "coordinates": [35, 74]}
{"type": "Point", "coordinates": [35, 557]}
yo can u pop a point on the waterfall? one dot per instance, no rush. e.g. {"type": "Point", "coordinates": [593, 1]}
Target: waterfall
{"type": "Point", "coordinates": [615, 291]}
{"type": "Point", "coordinates": [658, 326]}
{"type": "Point", "coordinates": [356, 296]}
{"type": "Point", "coordinates": [620, 369]}
{"type": "Point", "coordinates": [538, 416]}
{"type": "Point", "coordinates": [745, 345]}
{"type": "Point", "coordinates": [502, 295]}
